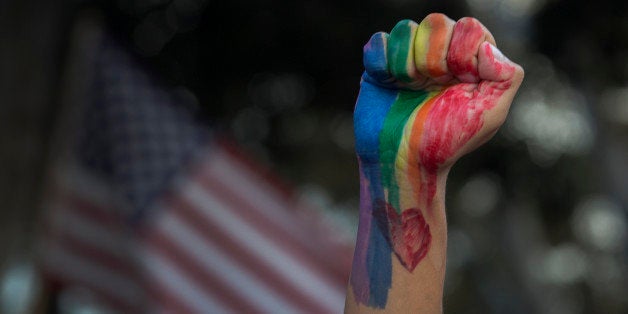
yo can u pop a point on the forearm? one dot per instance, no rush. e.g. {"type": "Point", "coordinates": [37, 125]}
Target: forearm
{"type": "Point", "coordinates": [399, 260]}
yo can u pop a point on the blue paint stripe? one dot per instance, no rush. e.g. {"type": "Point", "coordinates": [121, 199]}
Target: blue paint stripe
{"type": "Point", "coordinates": [379, 266]}
{"type": "Point", "coordinates": [379, 252]}
{"type": "Point", "coordinates": [374, 104]}
{"type": "Point", "coordinates": [375, 58]}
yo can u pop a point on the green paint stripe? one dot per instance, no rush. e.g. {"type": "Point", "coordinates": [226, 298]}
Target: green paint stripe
{"type": "Point", "coordinates": [400, 49]}
{"type": "Point", "coordinates": [390, 138]}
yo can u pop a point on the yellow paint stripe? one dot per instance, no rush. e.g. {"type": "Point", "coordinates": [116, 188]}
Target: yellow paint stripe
{"type": "Point", "coordinates": [407, 157]}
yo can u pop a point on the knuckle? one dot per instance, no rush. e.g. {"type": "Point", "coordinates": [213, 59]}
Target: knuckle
{"type": "Point", "coordinates": [467, 19]}
{"type": "Point", "coordinates": [406, 22]}
{"type": "Point", "coordinates": [435, 17]}
{"type": "Point", "coordinates": [376, 42]}
{"type": "Point", "coordinates": [470, 23]}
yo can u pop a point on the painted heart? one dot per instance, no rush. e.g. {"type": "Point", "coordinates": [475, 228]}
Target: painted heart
{"type": "Point", "coordinates": [407, 233]}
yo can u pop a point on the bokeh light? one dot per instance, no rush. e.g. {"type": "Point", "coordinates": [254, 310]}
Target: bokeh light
{"type": "Point", "coordinates": [601, 223]}
{"type": "Point", "coordinates": [479, 195]}
{"type": "Point", "coordinates": [19, 286]}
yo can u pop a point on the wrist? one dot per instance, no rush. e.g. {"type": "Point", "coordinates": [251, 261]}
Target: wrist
{"type": "Point", "coordinates": [418, 187]}
{"type": "Point", "coordinates": [410, 214]}
{"type": "Point", "coordinates": [400, 250]}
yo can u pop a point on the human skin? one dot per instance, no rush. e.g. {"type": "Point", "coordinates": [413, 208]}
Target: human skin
{"type": "Point", "coordinates": [431, 93]}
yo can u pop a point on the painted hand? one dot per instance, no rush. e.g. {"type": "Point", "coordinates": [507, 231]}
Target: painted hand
{"type": "Point", "coordinates": [431, 93]}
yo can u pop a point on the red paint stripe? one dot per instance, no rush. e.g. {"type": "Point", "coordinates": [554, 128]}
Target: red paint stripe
{"type": "Point", "coordinates": [211, 284]}
{"type": "Point", "coordinates": [286, 240]}
{"type": "Point", "coordinates": [212, 232]}
{"type": "Point", "coordinates": [467, 36]}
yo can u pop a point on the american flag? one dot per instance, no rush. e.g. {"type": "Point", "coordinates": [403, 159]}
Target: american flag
{"type": "Point", "coordinates": [150, 212]}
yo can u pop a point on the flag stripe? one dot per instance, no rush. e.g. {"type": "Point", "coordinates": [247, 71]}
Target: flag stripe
{"type": "Point", "coordinates": [70, 265]}
{"type": "Point", "coordinates": [105, 259]}
{"type": "Point", "coordinates": [180, 287]}
{"type": "Point", "coordinates": [269, 202]}
{"type": "Point", "coordinates": [274, 200]}
{"type": "Point", "coordinates": [212, 258]}
{"type": "Point", "coordinates": [76, 223]}
{"type": "Point", "coordinates": [78, 181]}
{"type": "Point", "coordinates": [89, 208]}
{"type": "Point", "coordinates": [268, 205]}
{"type": "Point", "coordinates": [288, 240]}
{"type": "Point", "coordinates": [257, 243]}
{"type": "Point", "coordinates": [246, 164]}
{"type": "Point", "coordinates": [193, 270]}
{"type": "Point", "coordinates": [162, 300]}
{"type": "Point", "coordinates": [243, 258]}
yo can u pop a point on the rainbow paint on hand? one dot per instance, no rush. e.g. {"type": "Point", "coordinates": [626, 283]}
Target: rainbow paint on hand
{"type": "Point", "coordinates": [426, 99]}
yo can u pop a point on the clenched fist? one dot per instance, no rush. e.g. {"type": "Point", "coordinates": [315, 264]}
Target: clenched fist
{"type": "Point", "coordinates": [431, 92]}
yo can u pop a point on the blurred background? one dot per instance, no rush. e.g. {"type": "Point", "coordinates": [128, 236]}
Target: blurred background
{"type": "Point", "coordinates": [537, 217]}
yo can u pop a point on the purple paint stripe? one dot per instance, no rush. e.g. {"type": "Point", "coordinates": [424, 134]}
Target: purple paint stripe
{"type": "Point", "coordinates": [359, 274]}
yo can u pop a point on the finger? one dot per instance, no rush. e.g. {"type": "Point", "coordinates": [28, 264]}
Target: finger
{"type": "Point", "coordinates": [431, 45]}
{"type": "Point", "coordinates": [462, 59]}
{"type": "Point", "coordinates": [401, 53]}
{"type": "Point", "coordinates": [374, 58]}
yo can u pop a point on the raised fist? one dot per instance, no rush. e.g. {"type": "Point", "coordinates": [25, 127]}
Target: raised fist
{"type": "Point", "coordinates": [431, 93]}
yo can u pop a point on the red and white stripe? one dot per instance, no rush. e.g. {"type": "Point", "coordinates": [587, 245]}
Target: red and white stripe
{"type": "Point", "coordinates": [84, 243]}
{"type": "Point", "coordinates": [224, 239]}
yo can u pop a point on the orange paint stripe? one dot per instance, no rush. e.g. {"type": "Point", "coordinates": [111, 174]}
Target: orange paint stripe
{"type": "Point", "coordinates": [436, 49]}
{"type": "Point", "coordinates": [415, 140]}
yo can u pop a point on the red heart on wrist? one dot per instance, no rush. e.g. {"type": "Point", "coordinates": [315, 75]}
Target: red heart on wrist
{"type": "Point", "coordinates": [407, 233]}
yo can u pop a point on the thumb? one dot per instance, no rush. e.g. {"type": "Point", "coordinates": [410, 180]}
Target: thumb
{"type": "Point", "coordinates": [501, 78]}
{"type": "Point", "coordinates": [494, 66]}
